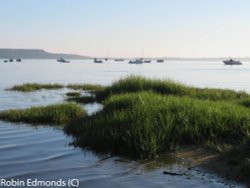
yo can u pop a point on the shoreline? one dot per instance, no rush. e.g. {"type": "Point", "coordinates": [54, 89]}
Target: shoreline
{"type": "Point", "coordinates": [211, 161]}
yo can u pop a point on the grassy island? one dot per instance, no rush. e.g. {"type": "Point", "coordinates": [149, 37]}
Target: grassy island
{"type": "Point", "coordinates": [146, 124]}
{"type": "Point", "coordinates": [28, 87]}
{"type": "Point", "coordinates": [52, 114]}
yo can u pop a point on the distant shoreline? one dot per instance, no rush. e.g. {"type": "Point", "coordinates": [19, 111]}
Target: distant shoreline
{"type": "Point", "coordinates": [6, 53]}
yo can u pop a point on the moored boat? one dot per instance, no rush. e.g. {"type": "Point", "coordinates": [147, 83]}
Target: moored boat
{"type": "Point", "coordinates": [160, 60]}
{"type": "Point", "coordinates": [136, 61]}
{"type": "Point", "coordinates": [147, 61]}
{"type": "Point", "coordinates": [119, 59]}
{"type": "Point", "coordinates": [232, 62]}
{"type": "Point", "coordinates": [61, 60]}
{"type": "Point", "coordinates": [97, 61]}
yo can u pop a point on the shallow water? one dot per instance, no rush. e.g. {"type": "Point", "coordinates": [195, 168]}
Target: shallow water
{"type": "Point", "coordinates": [44, 153]}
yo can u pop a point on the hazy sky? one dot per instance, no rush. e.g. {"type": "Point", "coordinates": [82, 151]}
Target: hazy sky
{"type": "Point", "coordinates": [186, 28]}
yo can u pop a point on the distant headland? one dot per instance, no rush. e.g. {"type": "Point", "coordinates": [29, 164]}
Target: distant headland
{"type": "Point", "coordinates": [35, 54]}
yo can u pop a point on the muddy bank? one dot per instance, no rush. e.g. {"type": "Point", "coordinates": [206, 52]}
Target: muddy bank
{"type": "Point", "coordinates": [232, 165]}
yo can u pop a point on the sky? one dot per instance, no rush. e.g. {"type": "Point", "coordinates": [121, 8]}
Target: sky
{"type": "Point", "coordinates": [128, 28]}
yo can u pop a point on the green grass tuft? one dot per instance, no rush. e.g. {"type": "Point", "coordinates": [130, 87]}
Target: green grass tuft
{"type": "Point", "coordinates": [144, 124]}
{"type": "Point", "coordinates": [55, 114]}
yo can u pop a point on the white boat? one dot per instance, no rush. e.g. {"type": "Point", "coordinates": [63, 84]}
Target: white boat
{"type": "Point", "coordinates": [97, 61]}
{"type": "Point", "coordinates": [136, 61]}
{"type": "Point", "coordinates": [232, 62]}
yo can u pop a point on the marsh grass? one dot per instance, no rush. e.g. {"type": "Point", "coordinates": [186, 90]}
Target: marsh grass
{"type": "Point", "coordinates": [133, 84]}
{"type": "Point", "coordinates": [52, 114]}
{"type": "Point", "coordinates": [28, 87]}
{"type": "Point", "coordinates": [144, 124]}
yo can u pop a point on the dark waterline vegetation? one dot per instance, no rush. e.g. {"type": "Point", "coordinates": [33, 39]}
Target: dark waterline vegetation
{"type": "Point", "coordinates": [82, 99]}
{"type": "Point", "coordinates": [52, 114]}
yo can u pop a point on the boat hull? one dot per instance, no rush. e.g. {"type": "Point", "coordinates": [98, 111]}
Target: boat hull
{"type": "Point", "coordinates": [232, 63]}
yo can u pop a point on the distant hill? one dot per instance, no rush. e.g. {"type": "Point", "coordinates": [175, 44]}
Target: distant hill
{"type": "Point", "coordinates": [35, 54]}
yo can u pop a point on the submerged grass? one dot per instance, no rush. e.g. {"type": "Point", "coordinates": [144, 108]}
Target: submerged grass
{"type": "Point", "coordinates": [55, 114]}
{"type": "Point", "coordinates": [166, 87]}
{"type": "Point", "coordinates": [28, 87]}
{"type": "Point", "coordinates": [144, 124]}
{"type": "Point", "coordinates": [73, 94]}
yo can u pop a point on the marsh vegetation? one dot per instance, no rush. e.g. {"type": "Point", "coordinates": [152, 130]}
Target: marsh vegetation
{"type": "Point", "coordinates": [29, 87]}
{"type": "Point", "coordinates": [146, 124]}
{"type": "Point", "coordinates": [52, 114]}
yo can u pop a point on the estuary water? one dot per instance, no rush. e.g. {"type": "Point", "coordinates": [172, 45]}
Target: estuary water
{"type": "Point", "coordinates": [44, 152]}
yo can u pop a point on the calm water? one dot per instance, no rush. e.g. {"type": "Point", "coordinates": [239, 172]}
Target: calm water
{"type": "Point", "coordinates": [44, 153]}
